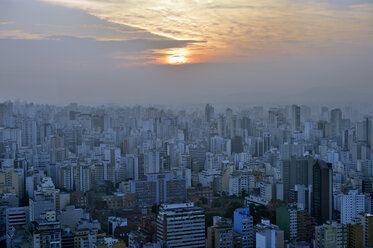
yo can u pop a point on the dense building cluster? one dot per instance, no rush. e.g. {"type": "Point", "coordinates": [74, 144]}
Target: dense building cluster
{"type": "Point", "coordinates": [152, 177]}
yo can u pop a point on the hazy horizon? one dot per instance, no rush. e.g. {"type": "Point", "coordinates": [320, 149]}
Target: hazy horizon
{"type": "Point", "coordinates": [267, 52]}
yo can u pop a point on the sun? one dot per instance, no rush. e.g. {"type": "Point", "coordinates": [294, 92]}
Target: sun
{"type": "Point", "coordinates": [177, 59]}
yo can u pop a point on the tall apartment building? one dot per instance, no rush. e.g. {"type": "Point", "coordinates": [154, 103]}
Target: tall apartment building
{"type": "Point", "coordinates": [295, 171]}
{"type": "Point", "coordinates": [209, 112]}
{"type": "Point", "coordinates": [295, 117]}
{"type": "Point", "coordinates": [66, 178]}
{"type": "Point", "coordinates": [305, 228]}
{"type": "Point", "coordinates": [355, 236]}
{"type": "Point", "coordinates": [366, 221]}
{"type": "Point", "coordinates": [159, 188]}
{"type": "Point", "coordinates": [351, 204]}
{"type": "Point", "coordinates": [46, 231]}
{"type": "Point", "coordinates": [322, 191]}
{"type": "Point", "coordinates": [368, 229]}
{"type": "Point", "coordinates": [268, 235]}
{"type": "Point", "coordinates": [103, 171]}
{"type": "Point", "coordinates": [29, 132]}
{"type": "Point", "coordinates": [286, 219]}
{"type": "Point", "coordinates": [82, 178]}
{"type": "Point", "coordinates": [331, 234]}
{"type": "Point", "coordinates": [45, 198]}
{"type": "Point", "coordinates": [75, 177]}
{"type": "Point", "coordinates": [336, 121]}
{"type": "Point", "coordinates": [181, 225]}
{"type": "Point", "coordinates": [86, 233]}
{"type": "Point", "coordinates": [243, 225]}
{"type": "Point", "coordinates": [220, 234]}
{"type": "Point", "coordinates": [41, 203]}
{"type": "Point", "coordinates": [15, 218]}
{"type": "Point", "coordinates": [9, 181]}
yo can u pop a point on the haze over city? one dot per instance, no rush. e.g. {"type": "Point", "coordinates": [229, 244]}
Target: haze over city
{"type": "Point", "coordinates": [186, 123]}
{"type": "Point", "coordinates": [145, 52]}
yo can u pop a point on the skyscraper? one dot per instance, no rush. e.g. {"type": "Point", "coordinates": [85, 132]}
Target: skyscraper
{"type": "Point", "coordinates": [209, 112]}
{"type": "Point", "coordinates": [322, 191]}
{"type": "Point", "coordinates": [46, 232]}
{"type": "Point", "coordinates": [181, 225]}
{"type": "Point", "coordinates": [243, 225]}
{"type": "Point", "coordinates": [236, 144]}
{"type": "Point", "coordinates": [9, 181]}
{"type": "Point", "coordinates": [364, 234]}
{"type": "Point", "coordinates": [295, 171]}
{"type": "Point", "coordinates": [295, 117]}
{"type": "Point", "coordinates": [16, 218]}
{"type": "Point", "coordinates": [220, 234]}
{"type": "Point", "coordinates": [331, 234]}
{"type": "Point", "coordinates": [355, 235]}
{"type": "Point", "coordinates": [336, 121]}
{"type": "Point", "coordinates": [351, 205]}
{"type": "Point", "coordinates": [268, 235]}
{"type": "Point", "coordinates": [159, 188]}
{"type": "Point", "coordinates": [286, 219]}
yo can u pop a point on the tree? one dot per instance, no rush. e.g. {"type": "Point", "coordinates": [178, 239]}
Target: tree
{"type": "Point", "coordinates": [109, 187]}
{"type": "Point", "coordinates": [155, 208]}
{"type": "Point", "coordinates": [216, 203]}
{"type": "Point", "coordinates": [262, 212]}
{"type": "Point", "coordinates": [243, 193]}
{"type": "Point", "coordinates": [233, 196]}
{"type": "Point", "coordinates": [233, 206]}
{"type": "Point", "coordinates": [2, 150]}
{"type": "Point", "coordinates": [204, 200]}
{"type": "Point", "coordinates": [209, 219]}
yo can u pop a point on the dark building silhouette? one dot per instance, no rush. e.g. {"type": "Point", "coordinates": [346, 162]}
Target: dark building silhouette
{"type": "Point", "coordinates": [236, 144]}
{"type": "Point", "coordinates": [295, 171]}
{"type": "Point", "coordinates": [209, 112]}
{"type": "Point", "coordinates": [321, 125]}
{"type": "Point", "coordinates": [295, 117]}
{"type": "Point", "coordinates": [246, 123]}
{"type": "Point", "coordinates": [322, 191]}
{"type": "Point", "coordinates": [336, 121]}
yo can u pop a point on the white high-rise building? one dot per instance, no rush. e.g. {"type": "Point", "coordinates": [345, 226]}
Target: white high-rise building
{"type": "Point", "coordinates": [351, 205]}
{"type": "Point", "coordinates": [181, 225]}
{"type": "Point", "coordinates": [268, 235]}
{"type": "Point", "coordinates": [243, 226]}
{"type": "Point", "coordinates": [152, 162]}
{"type": "Point", "coordinates": [45, 198]}
{"type": "Point", "coordinates": [293, 223]}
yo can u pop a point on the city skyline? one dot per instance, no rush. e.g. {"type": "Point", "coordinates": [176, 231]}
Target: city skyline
{"type": "Point", "coordinates": [161, 176]}
{"type": "Point", "coordinates": [186, 123]}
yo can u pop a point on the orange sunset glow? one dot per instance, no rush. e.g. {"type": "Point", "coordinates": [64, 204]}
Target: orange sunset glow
{"type": "Point", "coordinates": [170, 50]}
{"type": "Point", "coordinates": [175, 59]}
{"type": "Point", "coordinates": [221, 30]}
{"type": "Point", "coordinates": [176, 56]}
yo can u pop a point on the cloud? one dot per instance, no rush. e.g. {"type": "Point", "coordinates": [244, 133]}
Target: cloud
{"type": "Point", "coordinates": [235, 29]}
{"type": "Point", "coordinates": [39, 20]}
{"type": "Point", "coordinates": [19, 34]}
{"type": "Point", "coordinates": [104, 51]}
{"type": "Point", "coordinates": [5, 22]}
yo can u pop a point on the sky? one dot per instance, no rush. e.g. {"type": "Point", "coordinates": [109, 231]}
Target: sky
{"type": "Point", "coordinates": [186, 51]}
